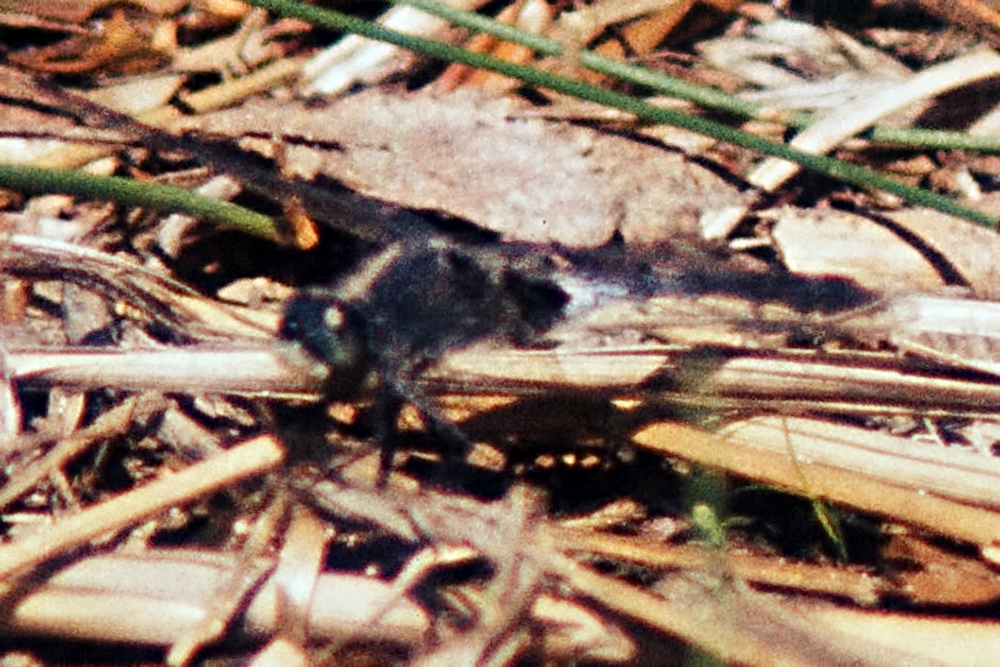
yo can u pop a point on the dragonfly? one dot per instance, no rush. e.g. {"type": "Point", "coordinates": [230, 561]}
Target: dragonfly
{"type": "Point", "coordinates": [434, 317]}
{"type": "Point", "coordinates": [606, 322]}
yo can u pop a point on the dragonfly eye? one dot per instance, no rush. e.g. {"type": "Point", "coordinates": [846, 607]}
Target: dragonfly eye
{"type": "Point", "coordinates": [332, 332]}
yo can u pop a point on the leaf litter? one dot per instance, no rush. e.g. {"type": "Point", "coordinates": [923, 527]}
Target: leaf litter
{"type": "Point", "coordinates": [479, 568]}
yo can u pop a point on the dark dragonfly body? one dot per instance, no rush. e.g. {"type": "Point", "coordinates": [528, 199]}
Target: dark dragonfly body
{"type": "Point", "coordinates": [414, 301]}
{"type": "Point", "coordinates": [406, 307]}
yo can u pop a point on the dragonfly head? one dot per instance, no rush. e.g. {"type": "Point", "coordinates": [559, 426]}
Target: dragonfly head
{"type": "Point", "coordinates": [334, 334]}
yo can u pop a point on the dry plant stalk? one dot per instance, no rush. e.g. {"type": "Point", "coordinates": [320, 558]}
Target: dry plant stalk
{"type": "Point", "coordinates": [251, 458]}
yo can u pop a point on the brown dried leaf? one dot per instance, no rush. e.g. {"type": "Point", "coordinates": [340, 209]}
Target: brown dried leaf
{"type": "Point", "coordinates": [980, 17]}
{"type": "Point", "coordinates": [78, 10]}
{"type": "Point", "coordinates": [931, 575]}
{"type": "Point", "coordinates": [471, 157]}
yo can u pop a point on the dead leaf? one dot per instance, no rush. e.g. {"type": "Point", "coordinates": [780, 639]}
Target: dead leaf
{"type": "Point", "coordinates": [471, 157]}
{"type": "Point", "coordinates": [971, 250]}
{"type": "Point", "coordinates": [78, 11]}
{"type": "Point", "coordinates": [837, 243]}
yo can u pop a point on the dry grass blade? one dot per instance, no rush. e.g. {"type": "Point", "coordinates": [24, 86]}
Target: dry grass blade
{"type": "Point", "coordinates": [158, 596]}
{"type": "Point", "coordinates": [113, 422]}
{"type": "Point", "coordinates": [154, 294]}
{"type": "Point", "coordinates": [843, 123]}
{"type": "Point", "coordinates": [251, 458]}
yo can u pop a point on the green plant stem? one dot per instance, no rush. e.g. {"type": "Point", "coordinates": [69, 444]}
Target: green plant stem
{"type": "Point", "coordinates": [839, 170]}
{"type": "Point", "coordinates": [703, 96]}
{"type": "Point", "coordinates": [127, 192]}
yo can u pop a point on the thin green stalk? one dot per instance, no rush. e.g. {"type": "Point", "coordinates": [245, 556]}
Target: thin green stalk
{"type": "Point", "coordinates": [909, 137]}
{"type": "Point", "coordinates": [843, 171]}
{"type": "Point", "coordinates": [703, 96]}
{"type": "Point", "coordinates": [127, 192]}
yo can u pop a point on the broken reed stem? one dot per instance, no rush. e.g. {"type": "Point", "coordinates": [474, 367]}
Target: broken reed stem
{"type": "Point", "coordinates": [250, 458]}
{"type": "Point", "coordinates": [853, 489]}
{"type": "Point", "coordinates": [112, 423]}
{"type": "Point", "coordinates": [155, 595]}
{"type": "Point", "coordinates": [675, 617]}
{"type": "Point", "coordinates": [857, 585]}
{"type": "Point", "coordinates": [254, 369]}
